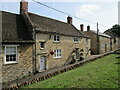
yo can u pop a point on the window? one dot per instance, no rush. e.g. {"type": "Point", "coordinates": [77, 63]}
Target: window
{"type": "Point", "coordinates": [42, 45]}
{"type": "Point", "coordinates": [57, 53]}
{"type": "Point", "coordinates": [103, 46]}
{"type": "Point", "coordinates": [75, 40]}
{"type": "Point", "coordinates": [56, 38]}
{"type": "Point", "coordinates": [10, 54]}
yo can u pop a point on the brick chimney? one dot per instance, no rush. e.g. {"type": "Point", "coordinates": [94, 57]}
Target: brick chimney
{"type": "Point", "coordinates": [69, 20]}
{"type": "Point", "coordinates": [23, 6]}
{"type": "Point", "coordinates": [82, 27]}
{"type": "Point", "coordinates": [88, 28]}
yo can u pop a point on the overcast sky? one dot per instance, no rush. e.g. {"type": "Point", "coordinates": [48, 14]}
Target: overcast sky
{"type": "Point", "coordinates": [105, 12]}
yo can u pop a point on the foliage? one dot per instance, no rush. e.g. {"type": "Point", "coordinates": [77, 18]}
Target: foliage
{"type": "Point", "coordinates": [116, 29]}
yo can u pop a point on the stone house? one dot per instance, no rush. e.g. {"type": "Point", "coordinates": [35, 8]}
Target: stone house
{"type": "Point", "coordinates": [16, 49]}
{"type": "Point", "coordinates": [115, 39]}
{"type": "Point", "coordinates": [61, 38]}
{"type": "Point", "coordinates": [100, 42]}
{"type": "Point", "coordinates": [33, 43]}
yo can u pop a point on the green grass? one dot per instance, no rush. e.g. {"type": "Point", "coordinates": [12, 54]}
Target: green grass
{"type": "Point", "coordinates": [102, 73]}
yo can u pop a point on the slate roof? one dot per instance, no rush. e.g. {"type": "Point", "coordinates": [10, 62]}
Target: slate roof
{"type": "Point", "coordinates": [101, 34]}
{"type": "Point", "coordinates": [14, 29]}
{"type": "Point", "coordinates": [48, 25]}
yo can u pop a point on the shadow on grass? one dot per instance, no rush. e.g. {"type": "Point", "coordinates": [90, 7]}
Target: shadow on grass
{"type": "Point", "coordinates": [117, 63]}
{"type": "Point", "coordinates": [118, 57]}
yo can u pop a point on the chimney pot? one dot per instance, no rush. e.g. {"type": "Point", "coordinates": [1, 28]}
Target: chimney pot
{"type": "Point", "coordinates": [69, 20]}
{"type": "Point", "coordinates": [88, 28]}
{"type": "Point", "coordinates": [23, 6]}
{"type": "Point", "coordinates": [82, 27]}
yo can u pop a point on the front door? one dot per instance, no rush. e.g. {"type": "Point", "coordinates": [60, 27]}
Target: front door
{"type": "Point", "coordinates": [42, 63]}
{"type": "Point", "coordinates": [77, 53]}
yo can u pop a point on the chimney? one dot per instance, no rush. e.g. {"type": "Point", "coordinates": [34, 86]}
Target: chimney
{"type": "Point", "coordinates": [82, 27]}
{"type": "Point", "coordinates": [69, 20]}
{"type": "Point", "coordinates": [23, 6]}
{"type": "Point", "coordinates": [88, 28]}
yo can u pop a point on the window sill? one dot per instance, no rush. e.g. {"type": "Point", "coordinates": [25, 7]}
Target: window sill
{"type": "Point", "coordinates": [76, 42]}
{"type": "Point", "coordinates": [10, 63]}
{"type": "Point", "coordinates": [42, 48]}
{"type": "Point", "coordinates": [56, 41]}
{"type": "Point", "coordinates": [57, 57]}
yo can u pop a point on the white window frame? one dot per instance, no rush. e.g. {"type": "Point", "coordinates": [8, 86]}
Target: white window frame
{"type": "Point", "coordinates": [76, 40]}
{"type": "Point", "coordinates": [40, 45]}
{"type": "Point", "coordinates": [57, 37]}
{"type": "Point", "coordinates": [58, 54]}
{"type": "Point", "coordinates": [10, 62]}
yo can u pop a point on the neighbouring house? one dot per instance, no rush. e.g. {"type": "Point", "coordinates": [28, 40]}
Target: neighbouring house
{"type": "Point", "coordinates": [33, 43]}
{"type": "Point", "coordinates": [61, 38]}
{"type": "Point", "coordinates": [17, 44]}
{"type": "Point", "coordinates": [115, 39]}
{"type": "Point", "coordinates": [100, 42]}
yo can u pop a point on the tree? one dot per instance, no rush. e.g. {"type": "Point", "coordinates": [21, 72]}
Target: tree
{"type": "Point", "coordinates": [116, 29]}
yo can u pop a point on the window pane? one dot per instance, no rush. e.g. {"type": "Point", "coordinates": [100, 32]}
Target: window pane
{"type": "Point", "coordinates": [42, 44]}
{"type": "Point", "coordinates": [54, 38]}
{"type": "Point", "coordinates": [14, 59]}
{"type": "Point", "coordinates": [7, 58]}
{"type": "Point", "coordinates": [10, 54]}
{"type": "Point", "coordinates": [10, 58]}
{"type": "Point", "coordinates": [57, 53]}
{"type": "Point", "coordinates": [10, 50]}
{"type": "Point", "coordinates": [75, 39]}
{"type": "Point", "coordinates": [58, 38]}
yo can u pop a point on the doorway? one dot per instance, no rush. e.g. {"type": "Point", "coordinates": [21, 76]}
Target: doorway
{"type": "Point", "coordinates": [42, 63]}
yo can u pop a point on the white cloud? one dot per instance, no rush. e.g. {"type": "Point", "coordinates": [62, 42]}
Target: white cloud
{"type": "Point", "coordinates": [88, 9]}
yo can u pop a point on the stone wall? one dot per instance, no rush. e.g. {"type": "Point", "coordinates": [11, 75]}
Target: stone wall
{"type": "Point", "coordinates": [116, 45]}
{"type": "Point", "coordinates": [66, 44]}
{"type": "Point", "coordinates": [21, 69]}
{"type": "Point", "coordinates": [104, 44]}
{"type": "Point", "coordinates": [118, 42]}
{"type": "Point", "coordinates": [93, 38]}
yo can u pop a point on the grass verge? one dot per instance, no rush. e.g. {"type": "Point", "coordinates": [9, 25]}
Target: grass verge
{"type": "Point", "coordinates": [102, 73]}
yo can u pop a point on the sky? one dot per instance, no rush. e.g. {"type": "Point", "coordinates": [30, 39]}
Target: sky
{"type": "Point", "coordinates": [89, 12]}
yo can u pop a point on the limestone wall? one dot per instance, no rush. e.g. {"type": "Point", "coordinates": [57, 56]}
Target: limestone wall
{"type": "Point", "coordinates": [66, 44]}
{"type": "Point", "coordinates": [20, 69]}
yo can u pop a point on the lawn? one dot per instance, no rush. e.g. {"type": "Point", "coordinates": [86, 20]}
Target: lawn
{"type": "Point", "coordinates": [102, 73]}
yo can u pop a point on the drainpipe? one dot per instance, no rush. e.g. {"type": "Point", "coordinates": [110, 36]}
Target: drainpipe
{"type": "Point", "coordinates": [34, 52]}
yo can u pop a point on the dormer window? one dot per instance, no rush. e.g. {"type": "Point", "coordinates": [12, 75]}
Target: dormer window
{"type": "Point", "coordinates": [56, 38]}
{"type": "Point", "coordinates": [75, 39]}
